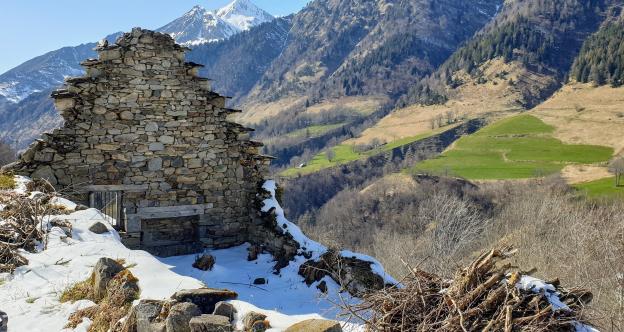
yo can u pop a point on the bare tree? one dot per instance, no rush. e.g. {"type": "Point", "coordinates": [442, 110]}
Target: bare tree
{"type": "Point", "coordinates": [617, 167]}
{"type": "Point", "coordinates": [440, 120]}
{"type": "Point", "coordinates": [432, 123]}
{"type": "Point", "coordinates": [330, 154]}
{"type": "Point", "coordinates": [450, 117]}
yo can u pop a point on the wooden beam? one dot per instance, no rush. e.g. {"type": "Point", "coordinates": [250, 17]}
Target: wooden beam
{"type": "Point", "coordinates": [161, 212]}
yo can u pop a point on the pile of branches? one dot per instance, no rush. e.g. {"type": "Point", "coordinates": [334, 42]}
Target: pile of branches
{"type": "Point", "coordinates": [485, 296]}
{"type": "Point", "coordinates": [24, 226]}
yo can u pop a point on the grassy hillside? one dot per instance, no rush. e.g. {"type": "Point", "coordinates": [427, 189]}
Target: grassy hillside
{"type": "Point", "coordinates": [514, 148]}
{"type": "Point", "coordinates": [345, 153]}
{"type": "Point", "coordinates": [603, 188]}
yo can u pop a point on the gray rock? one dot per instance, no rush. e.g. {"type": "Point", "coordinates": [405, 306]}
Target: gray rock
{"type": "Point", "coordinates": [45, 173]}
{"type": "Point", "coordinates": [98, 228]}
{"type": "Point", "coordinates": [204, 298]}
{"type": "Point", "coordinates": [126, 115]}
{"type": "Point", "coordinates": [204, 262]}
{"type": "Point", "coordinates": [156, 146]}
{"type": "Point", "coordinates": [155, 164]}
{"type": "Point", "coordinates": [166, 139]}
{"type": "Point", "coordinates": [225, 309]}
{"type": "Point", "coordinates": [180, 316]}
{"type": "Point", "coordinates": [143, 317]}
{"type": "Point", "coordinates": [260, 281]}
{"type": "Point", "coordinates": [105, 269]}
{"type": "Point", "coordinates": [151, 127]}
{"type": "Point", "coordinates": [210, 323]}
{"type": "Point", "coordinates": [177, 162]}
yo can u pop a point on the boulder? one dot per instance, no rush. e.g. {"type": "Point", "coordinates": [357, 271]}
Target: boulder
{"type": "Point", "coordinates": [204, 262]}
{"type": "Point", "coordinates": [254, 321]}
{"type": "Point", "coordinates": [45, 173]}
{"type": "Point", "coordinates": [204, 298]}
{"type": "Point", "coordinates": [316, 325]}
{"type": "Point", "coordinates": [180, 316]}
{"type": "Point", "coordinates": [210, 323]}
{"type": "Point", "coordinates": [225, 309]}
{"type": "Point", "coordinates": [322, 286]}
{"type": "Point", "coordinates": [98, 228]}
{"type": "Point", "coordinates": [105, 269]}
{"type": "Point", "coordinates": [144, 317]}
{"type": "Point", "coordinates": [253, 253]}
{"type": "Point", "coordinates": [260, 281]}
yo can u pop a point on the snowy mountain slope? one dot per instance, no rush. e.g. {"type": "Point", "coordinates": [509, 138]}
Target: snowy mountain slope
{"type": "Point", "coordinates": [45, 71]}
{"type": "Point", "coordinates": [243, 14]}
{"type": "Point", "coordinates": [31, 294]}
{"type": "Point", "coordinates": [199, 26]}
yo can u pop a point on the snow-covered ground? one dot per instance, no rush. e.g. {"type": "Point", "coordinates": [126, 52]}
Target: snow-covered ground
{"type": "Point", "coordinates": [30, 296]}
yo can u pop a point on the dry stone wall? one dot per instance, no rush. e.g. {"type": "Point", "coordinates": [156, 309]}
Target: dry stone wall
{"type": "Point", "coordinates": [143, 124]}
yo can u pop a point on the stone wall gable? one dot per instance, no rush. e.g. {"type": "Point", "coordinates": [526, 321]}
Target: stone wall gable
{"type": "Point", "coordinates": [142, 123]}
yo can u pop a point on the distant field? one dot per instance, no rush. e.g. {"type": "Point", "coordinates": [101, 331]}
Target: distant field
{"type": "Point", "coordinates": [603, 188]}
{"type": "Point", "coordinates": [514, 148]}
{"type": "Point", "coordinates": [345, 153]}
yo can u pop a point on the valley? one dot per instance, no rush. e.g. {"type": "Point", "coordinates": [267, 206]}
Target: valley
{"type": "Point", "coordinates": [422, 133]}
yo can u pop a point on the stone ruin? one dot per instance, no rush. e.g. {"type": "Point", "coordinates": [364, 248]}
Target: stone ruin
{"type": "Point", "coordinates": [144, 136]}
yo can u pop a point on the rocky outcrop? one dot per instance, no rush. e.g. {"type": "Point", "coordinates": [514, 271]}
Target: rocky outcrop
{"type": "Point", "coordinates": [225, 309]}
{"type": "Point", "coordinates": [180, 316]}
{"type": "Point", "coordinates": [204, 298]}
{"type": "Point", "coordinates": [193, 310]}
{"type": "Point", "coordinates": [352, 274]}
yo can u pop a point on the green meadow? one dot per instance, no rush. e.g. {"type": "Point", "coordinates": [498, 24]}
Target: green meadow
{"type": "Point", "coordinates": [513, 148]}
{"type": "Point", "coordinates": [603, 188]}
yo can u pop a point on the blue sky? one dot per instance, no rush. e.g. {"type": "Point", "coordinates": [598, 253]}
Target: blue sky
{"type": "Point", "coordinates": [33, 27]}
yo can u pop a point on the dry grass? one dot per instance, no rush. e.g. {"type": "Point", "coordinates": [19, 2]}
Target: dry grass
{"type": "Point", "coordinates": [574, 174]}
{"type": "Point", "coordinates": [364, 105]}
{"type": "Point", "coordinates": [496, 98]}
{"type": "Point", "coordinates": [584, 114]}
{"type": "Point", "coordinates": [392, 184]}
{"type": "Point", "coordinates": [122, 290]}
{"type": "Point", "coordinates": [80, 291]}
{"type": "Point", "coordinates": [256, 112]}
{"type": "Point", "coordinates": [7, 182]}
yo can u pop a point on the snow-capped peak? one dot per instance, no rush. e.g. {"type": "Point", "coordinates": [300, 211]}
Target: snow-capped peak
{"type": "Point", "coordinates": [244, 14]}
{"type": "Point", "coordinates": [200, 25]}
